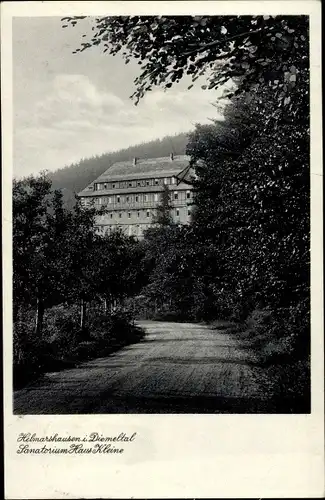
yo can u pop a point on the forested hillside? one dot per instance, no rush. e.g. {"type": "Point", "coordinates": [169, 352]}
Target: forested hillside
{"type": "Point", "coordinates": [75, 177]}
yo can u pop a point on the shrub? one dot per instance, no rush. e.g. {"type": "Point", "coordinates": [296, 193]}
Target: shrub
{"type": "Point", "coordinates": [61, 329]}
{"type": "Point", "coordinates": [28, 354]}
{"type": "Point", "coordinates": [281, 342]}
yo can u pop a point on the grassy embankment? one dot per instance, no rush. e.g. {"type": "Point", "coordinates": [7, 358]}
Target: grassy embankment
{"type": "Point", "coordinates": [279, 344]}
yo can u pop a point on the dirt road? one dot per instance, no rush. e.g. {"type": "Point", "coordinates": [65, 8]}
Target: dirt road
{"type": "Point", "coordinates": [177, 368]}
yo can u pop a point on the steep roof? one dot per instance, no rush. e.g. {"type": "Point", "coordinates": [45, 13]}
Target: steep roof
{"type": "Point", "coordinates": [143, 169]}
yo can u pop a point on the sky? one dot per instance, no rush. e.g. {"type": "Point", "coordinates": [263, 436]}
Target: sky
{"type": "Point", "coordinates": [71, 106]}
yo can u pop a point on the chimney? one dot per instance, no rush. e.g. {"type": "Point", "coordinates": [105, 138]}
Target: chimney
{"type": "Point", "coordinates": [171, 156]}
{"type": "Point", "coordinates": [135, 160]}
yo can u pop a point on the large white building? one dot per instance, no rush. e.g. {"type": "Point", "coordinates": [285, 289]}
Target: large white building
{"type": "Point", "coordinates": [131, 191]}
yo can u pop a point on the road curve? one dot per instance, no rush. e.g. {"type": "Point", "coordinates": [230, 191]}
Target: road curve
{"type": "Point", "coordinates": [177, 368]}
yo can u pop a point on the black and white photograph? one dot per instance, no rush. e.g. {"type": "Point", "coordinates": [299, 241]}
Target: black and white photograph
{"type": "Point", "coordinates": [161, 214]}
{"type": "Point", "coordinates": [162, 249]}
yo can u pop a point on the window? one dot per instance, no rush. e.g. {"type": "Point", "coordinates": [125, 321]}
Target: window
{"type": "Point", "coordinates": [148, 213]}
{"type": "Point", "coordinates": [129, 215]}
{"type": "Point", "coordinates": [111, 216]}
{"type": "Point", "coordinates": [120, 216]}
{"type": "Point", "coordinates": [175, 195]}
{"type": "Point", "coordinates": [139, 183]}
{"type": "Point", "coordinates": [165, 180]}
{"type": "Point", "coordinates": [147, 183]}
{"type": "Point", "coordinates": [105, 186]}
{"type": "Point", "coordinates": [156, 182]}
{"type": "Point", "coordinates": [137, 198]}
{"type": "Point", "coordinates": [128, 198]}
{"type": "Point", "coordinates": [155, 196]}
{"type": "Point", "coordinates": [177, 212]}
{"type": "Point", "coordinates": [173, 180]}
{"type": "Point", "coordinates": [145, 197]}
{"type": "Point", "coordinates": [109, 200]}
{"type": "Point", "coordinates": [113, 186]}
{"type": "Point", "coordinates": [118, 199]}
{"type": "Point", "coordinates": [189, 212]}
{"type": "Point", "coordinates": [138, 215]}
{"type": "Point", "coordinates": [130, 184]}
{"type": "Point", "coordinates": [188, 194]}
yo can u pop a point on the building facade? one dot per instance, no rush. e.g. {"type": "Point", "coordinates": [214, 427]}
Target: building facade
{"type": "Point", "coordinates": [130, 191]}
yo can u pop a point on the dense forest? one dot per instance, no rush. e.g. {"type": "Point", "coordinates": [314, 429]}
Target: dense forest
{"type": "Point", "coordinates": [245, 255]}
{"type": "Point", "coordinates": [74, 178]}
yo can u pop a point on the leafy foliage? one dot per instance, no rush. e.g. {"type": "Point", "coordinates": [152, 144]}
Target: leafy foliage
{"type": "Point", "coordinates": [163, 216]}
{"type": "Point", "coordinates": [251, 49]}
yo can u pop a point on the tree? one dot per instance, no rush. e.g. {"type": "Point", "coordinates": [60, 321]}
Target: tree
{"type": "Point", "coordinates": [253, 50]}
{"type": "Point", "coordinates": [252, 198]}
{"type": "Point", "coordinates": [81, 259]}
{"type": "Point", "coordinates": [118, 267]}
{"type": "Point", "coordinates": [31, 200]}
{"type": "Point", "coordinates": [164, 208]}
{"type": "Point", "coordinates": [41, 230]}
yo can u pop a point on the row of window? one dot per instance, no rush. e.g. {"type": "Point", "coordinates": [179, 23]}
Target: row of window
{"type": "Point", "coordinates": [138, 198]}
{"type": "Point", "coordinates": [134, 183]}
{"type": "Point", "coordinates": [147, 212]}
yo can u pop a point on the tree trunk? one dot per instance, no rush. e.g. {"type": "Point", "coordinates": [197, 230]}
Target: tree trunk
{"type": "Point", "coordinates": [83, 312]}
{"type": "Point", "coordinates": [39, 318]}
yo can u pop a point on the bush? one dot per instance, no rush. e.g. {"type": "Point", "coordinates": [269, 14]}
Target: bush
{"type": "Point", "coordinates": [282, 333]}
{"type": "Point", "coordinates": [280, 340]}
{"type": "Point", "coordinates": [61, 329]}
{"type": "Point", "coordinates": [28, 353]}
